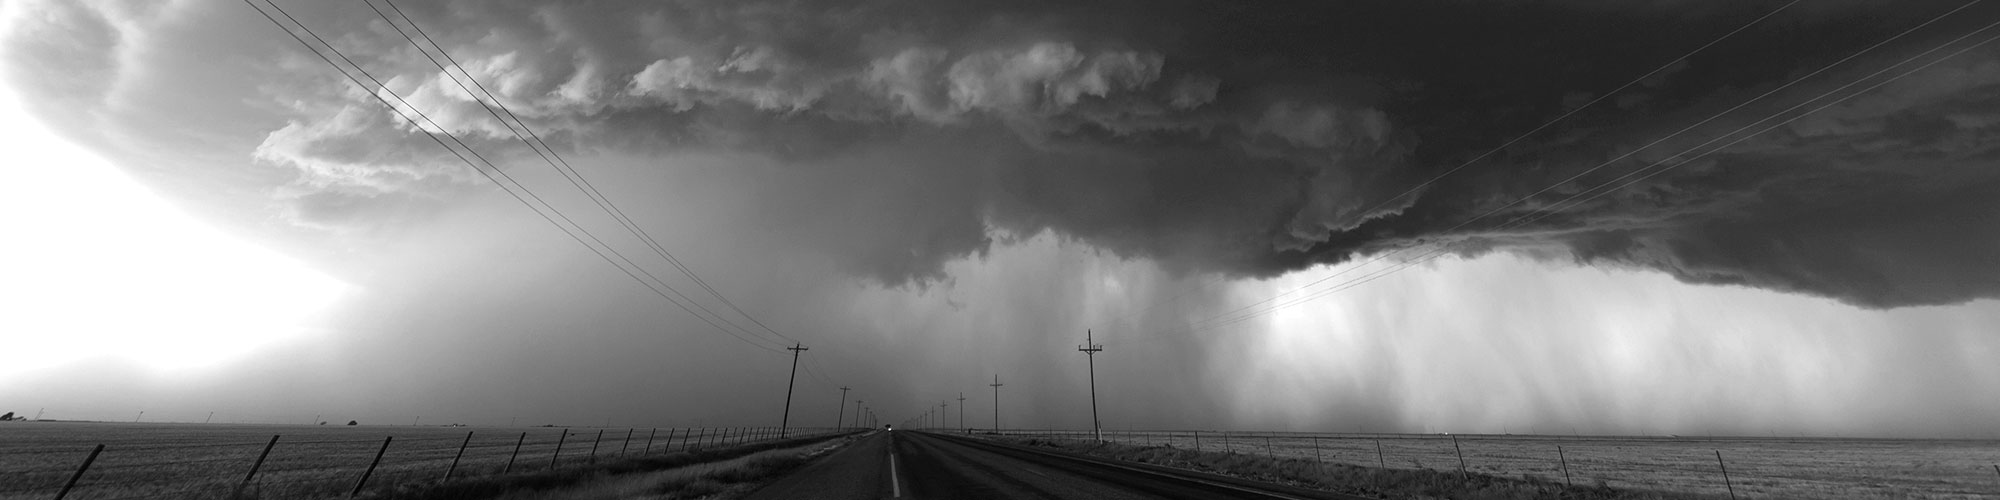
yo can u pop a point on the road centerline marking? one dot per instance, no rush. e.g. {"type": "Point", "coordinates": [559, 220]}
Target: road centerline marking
{"type": "Point", "coordinates": [895, 483]}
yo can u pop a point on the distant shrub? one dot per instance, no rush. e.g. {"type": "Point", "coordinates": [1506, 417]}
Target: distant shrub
{"type": "Point", "coordinates": [351, 422]}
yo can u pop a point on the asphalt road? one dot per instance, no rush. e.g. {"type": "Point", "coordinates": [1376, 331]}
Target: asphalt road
{"type": "Point", "coordinates": [906, 464]}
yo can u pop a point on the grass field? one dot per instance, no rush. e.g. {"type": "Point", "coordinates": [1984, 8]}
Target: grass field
{"type": "Point", "coordinates": [1757, 467]}
{"type": "Point", "coordinates": [208, 461]}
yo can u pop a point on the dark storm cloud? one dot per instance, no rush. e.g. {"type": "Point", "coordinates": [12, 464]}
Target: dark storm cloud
{"type": "Point", "coordinates": [1245, 139]}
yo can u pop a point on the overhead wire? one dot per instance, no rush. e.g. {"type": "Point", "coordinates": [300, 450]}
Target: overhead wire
{"type": "Point", "coordinates": [1439, 251]}
{"type": "Point", "coordinates": [560, 164]}
{"type": "Point", "coordinates": [569, 173]}
{"type": "Point", "coordinates": [1566, 203]}
{"type": "Point", "coordinates": [1573, 111]}
{"type": "Point", "coordinates": [1503, 146]}
{"type": "Point", "coordinates": [381, 88]}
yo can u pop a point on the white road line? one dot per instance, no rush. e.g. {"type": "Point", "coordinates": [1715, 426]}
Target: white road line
{"type": "Point", "coordinates": [895, 485]}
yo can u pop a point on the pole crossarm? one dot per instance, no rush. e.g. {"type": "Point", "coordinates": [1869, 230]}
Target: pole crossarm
{"type": "Point", "coordinates": [996, 401]}
{"type": "Point", "coordinates": [1090, 348]}
{"type": "Point", "coordinates": [785, 422]}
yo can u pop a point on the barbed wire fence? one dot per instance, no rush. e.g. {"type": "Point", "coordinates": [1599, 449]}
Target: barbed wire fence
{"type": "Point", "coordinates": [312, 464]}
{"type": "Point", "coordinates": [1732, 467]}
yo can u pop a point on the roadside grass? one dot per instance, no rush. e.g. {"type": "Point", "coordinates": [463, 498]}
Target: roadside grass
{"type": "Point", "coordinates": [691, 474]}
{"type": "Point", "coordinates": [210, 462]}
{"type": "Point", "coordinates": [1357, 480]}
{"type": "Point", "coordinates": [717, 479]}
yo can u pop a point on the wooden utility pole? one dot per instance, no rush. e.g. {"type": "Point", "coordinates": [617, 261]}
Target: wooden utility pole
{"type": "Point", "coordinates": [961, 411]}
{"type": "Point", "coordinates": [784, 423]}
{"type": "Point", "coordinates": [996, 402]}
{"type": "Point", "coordinates": [857, 414]}
{"type": "Point", "coordinates": [840, 411]}
{"type": "Point", "coordinates": [1090, 349]}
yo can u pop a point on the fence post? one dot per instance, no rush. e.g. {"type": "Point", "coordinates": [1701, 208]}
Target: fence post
{"type": "Point", "coordinates": [517, 453]}
{"type": "Point", "coordinates": [1725, 475]}
{"type": "Point", "coordinates": [649, 441]}
{"type": "Point", "coordinates": [454, 458]}
{"type": "Point", "coordinates": [557, 456]}
{"type": "Point", "coordinates": [1565, 462]}
{"type": "Point", "coordinates": [725, 438]}
{"type": "Point", "coordinates": [1197, 441]}
{"type": "Point", "coordinates": [1316, 459]}
{"type": "Point", "coordinates": [238, 491]}
{"type": "Point", "coordinates": [1225, 444]}
{"type": "Point", "coordinates": [371, 467]}
{"type": "Point", "coordinates": [259, 463]}
{"type": "Point", "coordinates": [593, 445]}
{"type": "Point", "coordinates": [1384, 462]}
{"type": "Point", "coordinates": [1269, 451]}
{"type": "Point", "coordinates": [79, 471]}
{"type": "Point", "coordinates": [628, 441]}
{"type": "Point", "coordinates": [1461, 456]}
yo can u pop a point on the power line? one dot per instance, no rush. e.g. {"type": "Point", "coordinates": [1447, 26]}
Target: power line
{"type": "Point", "coordinates": [1578, 175]}
{"type": "Point", "coordinates": [562, 166]}
{"type": "Point", "coordinates": [1635, 81]}
{"type": "Point", "coordinates": [1503, 146]}
{"type": "Point", "coordinates": [1219, 321]}
{"type": "Point", "coordinates": [601, 253]}
{"type": "Point", "coordinates": [1566, 202]}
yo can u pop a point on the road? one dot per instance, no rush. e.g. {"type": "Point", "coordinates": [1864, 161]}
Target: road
{"type": "Point", "coordinates": [907, 464]}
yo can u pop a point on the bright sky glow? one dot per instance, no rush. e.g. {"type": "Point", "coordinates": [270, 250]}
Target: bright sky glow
{"type": "Point", "coordinates": [97, 267]}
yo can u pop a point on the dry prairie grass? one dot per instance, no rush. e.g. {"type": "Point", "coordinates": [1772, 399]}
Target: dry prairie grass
{"type": "Point", "coordinates": [1423, 465]}
{"type": "Point", "coordinates": [193, 461]}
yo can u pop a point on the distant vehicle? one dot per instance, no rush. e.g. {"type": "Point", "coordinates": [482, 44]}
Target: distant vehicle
{"type": "Point", "coordinates": [889, 427]}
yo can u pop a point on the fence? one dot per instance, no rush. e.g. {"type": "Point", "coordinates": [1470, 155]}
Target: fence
{"type": "Point", "coordinates": [308, 462]}
{"type": "Point", "coordinates": [1729, 467]}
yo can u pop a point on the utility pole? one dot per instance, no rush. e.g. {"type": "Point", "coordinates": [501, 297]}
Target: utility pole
{"type": "Point", "coordinates": [857, 414]}
{"type": "Point", "coordinates": [996, 402]}
{"type": "Point", "coordinates": [943, 407]}
{"type": "Point", "coordinates": [1090, 350]}
{"type": "Point", "coordinates": [785, 423]}
{"type": "Point", "coordinates": [961, 411]}
{"type": "Point", "coordinates": [840, 411]}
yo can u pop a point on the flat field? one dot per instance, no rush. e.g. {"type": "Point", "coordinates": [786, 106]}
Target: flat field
{"type": "Point", "coordinates": [210, 460]}
{"type": "Point", "coordinates": [1757, 467]}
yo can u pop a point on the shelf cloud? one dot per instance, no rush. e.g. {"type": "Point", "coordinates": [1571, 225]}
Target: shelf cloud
{"type": "Point", "coordinates": [1233, 139]}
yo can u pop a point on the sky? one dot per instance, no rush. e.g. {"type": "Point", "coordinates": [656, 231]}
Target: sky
{"type": "Point", "coordinates": [1664, 217]}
